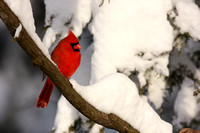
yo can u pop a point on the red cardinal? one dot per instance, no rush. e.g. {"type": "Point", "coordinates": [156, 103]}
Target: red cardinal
{"type": "Point", "coordinates": [67, 57]}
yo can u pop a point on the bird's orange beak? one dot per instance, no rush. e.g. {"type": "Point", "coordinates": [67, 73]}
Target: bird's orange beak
{"type": "Point", "coordinates": [77, 46]}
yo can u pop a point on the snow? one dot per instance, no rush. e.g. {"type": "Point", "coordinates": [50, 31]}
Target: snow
{"type": "Point", "coordinates": [65, 116]}
{"type": "Point", "coordinates": [185, 106]}
{"type": "Point", "coordinates": [96, 128]}
{"type": "Point", "coordinates": [64, 14]}
{"type": "Point", "coordinates": [23, 10]}
{"type": "Point", "coordinates": [156, 88]}
{"type": "Point", "coordinates": [49, 37]}
{"type": "Point", "coordinates": [125, 40]}
{"type": "Point", "coordinates": [121, 98]}
{"type": "Point", "coordinates": [18, 30]}
{"type": "Point", "coordinates": [124, 37]}
{"type": "Point", "coordinates": [188, 19]}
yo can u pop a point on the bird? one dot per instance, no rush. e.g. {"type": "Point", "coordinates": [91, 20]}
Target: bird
{"type": "Point", "coordinates": [67, 57]}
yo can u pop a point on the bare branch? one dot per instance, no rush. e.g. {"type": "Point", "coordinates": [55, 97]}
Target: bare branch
{"type": "Point", "coordinates": [188, 130]}
{"type": "Point", "coordinates": [41, 61]}
{"type": "Point", "coordinates": [196, 93]}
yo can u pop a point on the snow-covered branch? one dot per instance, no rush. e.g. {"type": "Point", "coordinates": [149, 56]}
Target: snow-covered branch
{"type": "Point", "coordinates": [40, 60]}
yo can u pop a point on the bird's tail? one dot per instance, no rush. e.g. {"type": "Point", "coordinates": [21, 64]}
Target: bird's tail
{"type": "Point", "coordinates": [45, 94]}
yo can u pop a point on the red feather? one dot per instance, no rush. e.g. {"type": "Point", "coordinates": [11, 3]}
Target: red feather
{"type": "Point", "coordinates": [67, 57]}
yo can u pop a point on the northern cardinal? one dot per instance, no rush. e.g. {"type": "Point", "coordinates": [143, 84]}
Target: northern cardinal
{"type": "Point", "coordinates": [67, 57]}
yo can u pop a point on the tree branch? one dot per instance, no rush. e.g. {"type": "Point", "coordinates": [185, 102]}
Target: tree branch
{"type": "Point", "coordinates": [188, 130]}
{"type": "Point", "coordinates": [40, 60]}
{"type": "Point", "coordinates": [196, 93]}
